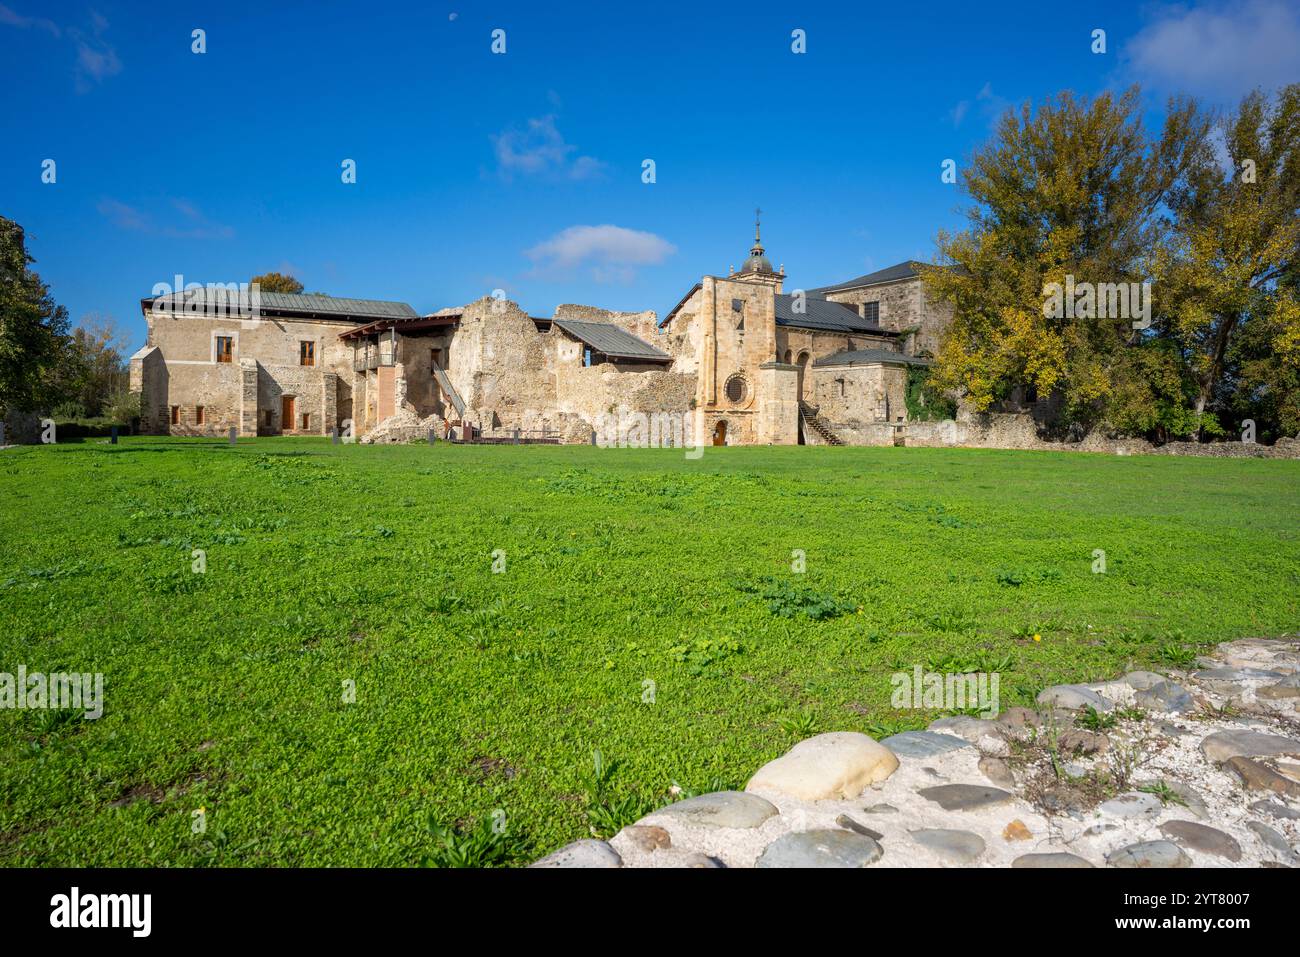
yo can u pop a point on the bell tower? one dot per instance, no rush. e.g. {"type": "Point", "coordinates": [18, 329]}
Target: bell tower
{"type": "Point", "coordinates": [758, 268]}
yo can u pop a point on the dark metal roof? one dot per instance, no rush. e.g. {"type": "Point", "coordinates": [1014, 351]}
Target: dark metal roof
{"type": "Point", "coordinates": [612, 341]}
{"type": "Point", "coordinates": [903, 270]}
{"type": "Point", "coordinates": [869, 357]}
{"type": "Point", "coordinates": [332, 306]}
{"type": "Point", "coordinates": [826, 315]}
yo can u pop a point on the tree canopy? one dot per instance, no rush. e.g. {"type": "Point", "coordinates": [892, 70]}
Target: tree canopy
{"type": "Point", "coordinates": [1079, 196]}
{"type": "Point", "coordinates": [34, 340]}
{"type": "Point", "coordinates": [277, 282]}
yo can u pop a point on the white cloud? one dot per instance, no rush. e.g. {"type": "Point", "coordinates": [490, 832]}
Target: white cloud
{"type": "Point", "coordinates": [1219, 50]}
{"type": "Point", "coordinates": [612, 253]}
{"type": "Point", "coordinates": [539, 149]}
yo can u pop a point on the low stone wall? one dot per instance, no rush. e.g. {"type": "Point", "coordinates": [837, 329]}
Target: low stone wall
{"type": "Point", "coordinates": [1149, 770]}
{"type": "Point", "coordinates": [1018, 430]}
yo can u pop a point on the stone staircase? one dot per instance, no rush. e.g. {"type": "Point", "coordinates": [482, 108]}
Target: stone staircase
{"type": "Point", "coordinates": [813, 422]}
{"type": "Point", "coordinates": [449, 390]}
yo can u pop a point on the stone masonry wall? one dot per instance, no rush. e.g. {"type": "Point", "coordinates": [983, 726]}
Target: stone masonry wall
{"type": "Point", "coordinates": [183, 371]}
{"type": "Point", "coordinates": [904, 306]}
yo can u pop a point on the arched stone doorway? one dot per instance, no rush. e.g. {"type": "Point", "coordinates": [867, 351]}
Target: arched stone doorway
{"type": "Point", "coordinates": [720, 433]}
{"type": "Point", "coordinates": [803, 375]}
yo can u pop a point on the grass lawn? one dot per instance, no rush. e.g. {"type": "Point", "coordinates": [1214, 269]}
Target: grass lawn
{"type": "Point", "coordinates": [478, 692]}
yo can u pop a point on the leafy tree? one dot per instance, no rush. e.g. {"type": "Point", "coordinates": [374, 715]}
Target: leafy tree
{"type": "Point", "coordinates": [277, 282]}
{"type": "Point", "coordinates": [34, 341]}
{"type": "Point", "coordinates": [1230, 278]}
{"type": "Point", "coordinates": [96, 372]}
{"type": "Point", "coordinates": [1080, 189]}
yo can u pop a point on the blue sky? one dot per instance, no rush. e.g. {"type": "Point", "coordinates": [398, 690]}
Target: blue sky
{"type": "Point", "coordinates": [523, 171]}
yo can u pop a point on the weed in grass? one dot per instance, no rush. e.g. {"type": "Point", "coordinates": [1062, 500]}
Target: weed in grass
{"type": "Point", "coordinates": [606, 814]}
{"type": "Point", "coordinates": [801, 725]}
{"type": "Point", "coordinates": [1176, 654]}
{"type": "Point", "coordinates": [788, 601]}
{"type": "Point", "coordinates": [486, 844]}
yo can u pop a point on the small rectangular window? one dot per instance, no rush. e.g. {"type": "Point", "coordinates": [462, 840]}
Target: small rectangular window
{"type": "Point", "coordinates": [306, 353]}
{"type": "Point", "coordinates": [871, 311]}
{"type": "Point", "coordinates": [176, 415]}
{"type": "Point", "coordinates": [199, 418]}
{"type": "Point", "coordinates": [225, 348]}
{"type": "Point", "coordinates": [269, 417]}
{"type": "Point", "coordinates": [306, 421]}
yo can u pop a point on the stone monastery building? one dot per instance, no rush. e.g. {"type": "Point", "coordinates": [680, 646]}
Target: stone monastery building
{"type": "Point", "coordinates": [737, 361]}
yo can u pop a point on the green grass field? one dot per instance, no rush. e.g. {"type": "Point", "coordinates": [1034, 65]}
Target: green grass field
{"type": "Point", "coordinates": [479, 692]}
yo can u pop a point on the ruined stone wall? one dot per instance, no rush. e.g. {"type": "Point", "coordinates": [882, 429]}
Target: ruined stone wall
{"type": "Point", "coordinates": [683, 337]}
{"type": "Point", "coordinates": [643, 325]}
{"type": "Point", "coordinates": [419, 389]}
{"type": "Point", "coordinates": [904, 306]}
{"type": "Point", "coordinates": [498, 363]}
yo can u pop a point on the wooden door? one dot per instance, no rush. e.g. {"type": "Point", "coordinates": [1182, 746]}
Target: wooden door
{"type": "Point", "coordinates": [286, 413]}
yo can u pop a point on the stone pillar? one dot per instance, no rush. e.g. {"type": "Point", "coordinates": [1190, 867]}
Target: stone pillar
{"type": "Point", "coordinates": [778, 405]}
{"type": "Point", "coordinates": [248, 397]}
{"type": "Point", "coordinates": [358, 412]}
{"type": "Point", "coordinates": [329, 402]}
{"type": "Point", "coordinates": [709, 315]}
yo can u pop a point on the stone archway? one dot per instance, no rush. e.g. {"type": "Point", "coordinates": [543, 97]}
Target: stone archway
{"type": "Point", "coordinates": [803, 374]}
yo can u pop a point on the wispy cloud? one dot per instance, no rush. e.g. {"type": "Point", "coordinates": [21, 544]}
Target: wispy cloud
{"type": "Point", "coordinates": [539, 149]}
{"type": "Point", "coordinates": [987, 105]}
{"type": "Point", "coordinates": [96, 58]}
{"type": "Point", "coordinates": [186, 223]}
{"type": "Point", "coordinates": [1218, 50]}
{"type": "Point", "coordinates": [611, 253]}
{"type": "Point", "coordinates": [11, 18]}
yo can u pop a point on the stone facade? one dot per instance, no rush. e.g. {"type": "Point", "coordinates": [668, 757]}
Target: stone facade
{"type": "Point", "coordinates": [191, 383]}
{"type": "Point", "coordinates": [737, 361]}
{"type": "Point", "coordinates": [902, 307]}
{"type": "Point", "coordinates": [766, 363]}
